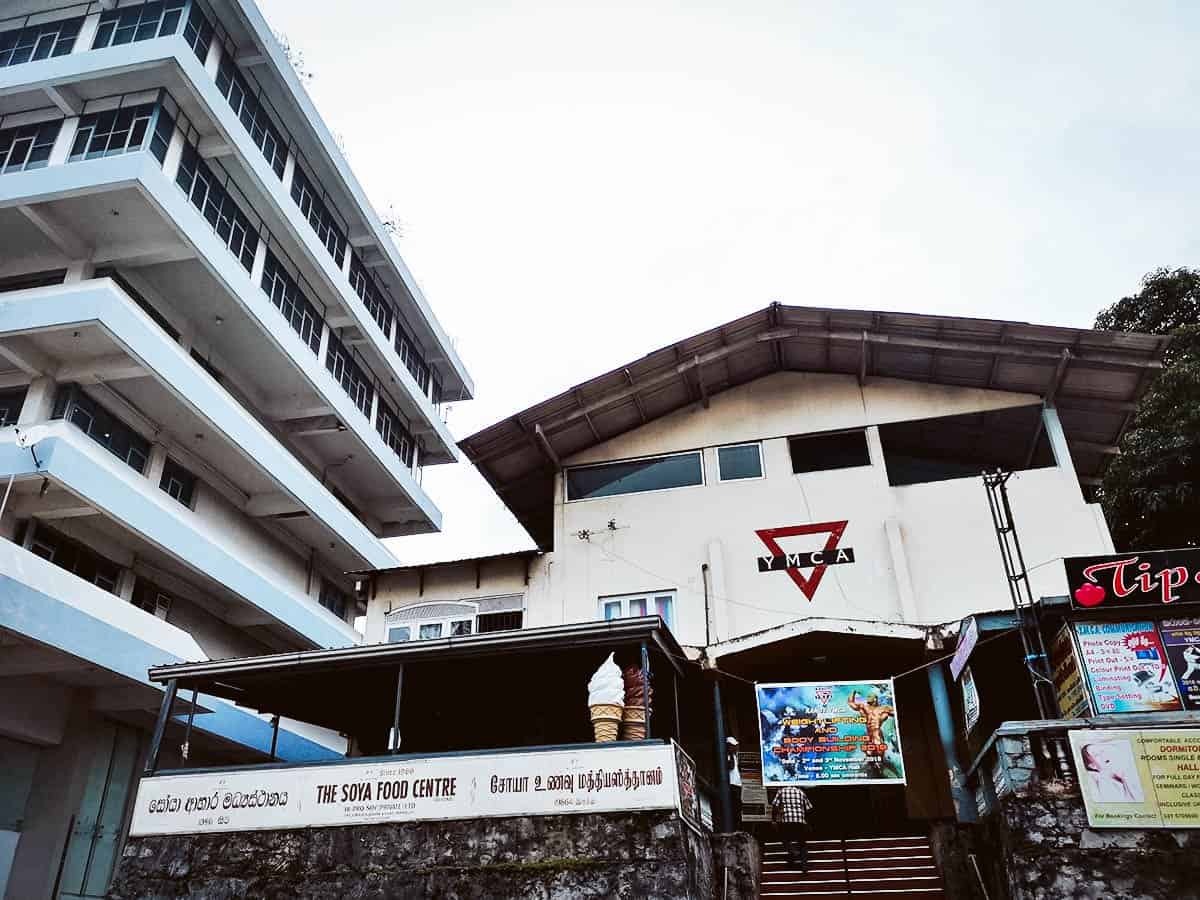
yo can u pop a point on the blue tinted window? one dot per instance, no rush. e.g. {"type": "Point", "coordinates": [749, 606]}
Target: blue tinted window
{"type": "Point", "coordinates": [741, 461]}
{"type": "Point", "coordinates": [635, 476]}
{"type": "Point", "coordinates": [27, 146]}
{"type": "Point", "coordinates": [38, 41]}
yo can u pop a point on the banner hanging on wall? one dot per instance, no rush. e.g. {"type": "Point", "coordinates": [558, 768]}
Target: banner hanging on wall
{"type": "Point", "coordinates": [605, 779]}
{"type": "Point", "coordinates": [1139, 779]}
{"type": "Point", "coordinates": [1126, 667]}
{"type": "Point", "coordinates": [829, 732]}
{"type": "Point", "coordinates": [1068, 677]}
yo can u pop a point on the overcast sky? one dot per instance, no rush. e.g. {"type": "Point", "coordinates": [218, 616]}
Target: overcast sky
{"type": "Point", "coordinates": [581, 184]}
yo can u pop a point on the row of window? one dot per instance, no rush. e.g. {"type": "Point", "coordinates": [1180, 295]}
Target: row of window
{"type": "Point", "coordinates": [914, 452]}
{"type": "Point", "coordinates": [416, 624]}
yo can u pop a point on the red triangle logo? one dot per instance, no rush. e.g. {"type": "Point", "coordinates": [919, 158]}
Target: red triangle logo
{"type": "Point", "coordinates": [770, 537]}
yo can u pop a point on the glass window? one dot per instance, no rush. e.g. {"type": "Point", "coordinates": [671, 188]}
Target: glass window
{"type": "Point", "coordinates": [112, 132]}
{"type": "Point", "coordinates": [285, 293]}
{"type": "Point", "coordinates": [38, 41]}
{"type": "Point", "coordinates": [399, 634]}
{"type": "Point", "coordinates": [136, 296]}
{"type": "Point", "coordinates": [334, 599]}
{"type": "Point", "coordinates": [500, 621]}
{"type": "Point", "coordinates": [27, 146]}
{"type": "Point", "coordinates": [740, 461]}
{"type": "Point", "coordinates": [210, 195]}
{"type": "Point", "coordinates": [149, 597]}
{"type": "Point", "coordinates": [312, 207]}
{"type": "Point", "coordinates": [102, 426]}
{"type": "Point", "coordinates": [371, 294]}
{"type": "Point", "coordinates": [834, 450]}
{"type": "Point", "coordinates": [178, 482]}
{"type": "Point", "coordinates": [198, 32]}
{"type": "Point", "coordinates": [656, 474]}
{"type": "Point", "coordinates": [460, 628]}
{"type": "Point", "coordinates": [138, 23]}
{"type": "Point", "coordinates": [252, 113]}
{"type": "Point", "coordinates": [55, 547]}
{"type": "Point", "coordinates": [431, 630]}
{"type": "Point", "coordinates": [349, 374]}
{"type": "Point", "coordinates": [637, 605]}
{"type": "Point", "coordinates": [164, 130]}
{"type": "Point", "coordinates": [393, 432]}
{"type": "Point", "coordinates": [28, 280]}
{"type": "Point", "coordinates": [11, 400]}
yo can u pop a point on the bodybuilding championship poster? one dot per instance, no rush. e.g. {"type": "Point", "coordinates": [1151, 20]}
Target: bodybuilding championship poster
{"type": "Point", "coordinates": [829, 732]}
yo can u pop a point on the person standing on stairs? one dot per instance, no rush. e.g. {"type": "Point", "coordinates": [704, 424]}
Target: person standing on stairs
{"type": "Point", "coordinates": [789, 811]}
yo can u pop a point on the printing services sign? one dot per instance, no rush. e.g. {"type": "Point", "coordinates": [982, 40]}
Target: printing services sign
{"type": "Point", "coordinates": [1150, 578]}
{"type": "Point", "coordinates": [829, 732]}
{"type": "Point", "coordinates": [591, 779]}
{"type": "Point", "coordinates": [1139, 779]}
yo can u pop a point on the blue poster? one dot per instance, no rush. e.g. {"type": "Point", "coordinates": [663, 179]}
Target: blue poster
{"type": "Point", "coordinates": [829, 732]}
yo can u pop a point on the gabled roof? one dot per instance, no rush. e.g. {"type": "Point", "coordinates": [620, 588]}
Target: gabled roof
{"type": "Point", "coordinates": [1094, 378]}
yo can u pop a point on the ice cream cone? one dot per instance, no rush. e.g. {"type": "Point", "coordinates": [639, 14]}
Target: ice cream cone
{"type": "Point", "coordinates": [633, 724]}
{"type": "Point", "coordinates": [606, 719]}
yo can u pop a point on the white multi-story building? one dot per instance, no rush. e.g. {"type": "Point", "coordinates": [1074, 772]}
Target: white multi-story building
{"type": "Point", "coordinates": [219, 385]}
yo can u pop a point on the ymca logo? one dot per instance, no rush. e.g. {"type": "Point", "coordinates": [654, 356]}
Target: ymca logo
{"type": "Point", "coordinates": [817, 560]}
{"type": "Point", "coordinates": [823, 695]}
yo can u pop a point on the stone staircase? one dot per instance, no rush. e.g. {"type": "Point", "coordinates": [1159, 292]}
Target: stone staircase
{"type": "Point", "coordinates": [889, 868]}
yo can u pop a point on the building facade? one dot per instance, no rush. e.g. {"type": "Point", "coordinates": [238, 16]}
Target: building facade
{"type": "Point", "coordinates": [219, 386]}
{"type": "Point", "coordinates": [798, 495]}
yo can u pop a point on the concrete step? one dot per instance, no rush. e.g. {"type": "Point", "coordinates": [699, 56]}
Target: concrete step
{"type": "Point", "coordinates": [887, 868]}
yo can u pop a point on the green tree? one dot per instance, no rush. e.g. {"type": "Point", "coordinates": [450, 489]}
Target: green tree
{"type": "Point", "coordinates": [1151, 491]}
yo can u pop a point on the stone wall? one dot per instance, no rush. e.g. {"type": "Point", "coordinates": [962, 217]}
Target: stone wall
{"type": "Point", "coordinates": [620, 855]}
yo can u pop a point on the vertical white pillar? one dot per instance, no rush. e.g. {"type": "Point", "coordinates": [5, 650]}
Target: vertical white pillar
{"type": "Point", "coordinates": [125, 587]}
{"type": "Point", "coordinates": [374, 406]}
{"type": "Point", "coordinates": [62, 144]}
{"type": "Point", "coordinates": [87, 33]}
{"type": "Point", "coordinates": [154, 466]}
{"type": "Point", "coordinates": [212, 62]}
{"type": "Point", "coordinates": [323, 349]}
{"type": "Point", "coordinates": [260, 262]}
{"type": "Point", "coordinates": [174, 155]}
{"type": "Point", "coordinates": [39, 401]}
{"type": "Point", "coordinates": [289, 171]}
{"type": "Point", "coordinates": [1062, 453]}
{"type": "Point", "coordinates": [875, 451]}
{"type": "Point", "coordinates": [346, 260]}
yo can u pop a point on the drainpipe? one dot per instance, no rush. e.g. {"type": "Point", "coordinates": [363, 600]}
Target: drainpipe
{"type": "Point", "coordinates": [964, 801]}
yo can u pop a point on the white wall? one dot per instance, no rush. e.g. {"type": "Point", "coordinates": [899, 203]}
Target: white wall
{"type": "Point", "coordinates": [924, 554]}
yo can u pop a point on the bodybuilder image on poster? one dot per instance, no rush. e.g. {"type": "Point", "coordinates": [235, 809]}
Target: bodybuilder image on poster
{"type": "Point", "coordinates": [829, 732]}
{"type": "Point", "coordinates": [1181, 637]}
{"type": "Point", "coordinates": [1126, 667]}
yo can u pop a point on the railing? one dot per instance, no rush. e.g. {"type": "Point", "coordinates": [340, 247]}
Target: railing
{"type": "Point", "coordinates": [1021, 756]}
{"type": "Point", "coordinates": [55, 32]}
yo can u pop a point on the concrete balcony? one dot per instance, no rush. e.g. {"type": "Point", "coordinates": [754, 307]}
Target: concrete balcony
{"type": "Point", "coordinates": [61, 473]}
{"type": "Point", "coordinates": [176, 251]}
{"type": "Point", "coordinates": [170, 62]}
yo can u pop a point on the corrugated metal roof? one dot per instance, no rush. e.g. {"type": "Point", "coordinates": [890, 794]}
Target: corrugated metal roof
{"type": "Point", "coordinates": [1094, 379]}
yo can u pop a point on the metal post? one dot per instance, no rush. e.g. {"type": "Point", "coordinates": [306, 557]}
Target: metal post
{"type": "Point", "coordinates": [394, 737]}
{"type": "Point", "coordinates": [646, 686]}
{"type": "Point", "coordinates": [187, 734]}
{"type": "Point", "coordinates": [160, 727]}
{"type": "Point", "coordinates": [964, 800]}
{"type": "Point", "coordinates": [675, 692]}
{"type": "Point", "coordinates": [724, 800]}
{"type": "Point", "coordinates": [274, 734]}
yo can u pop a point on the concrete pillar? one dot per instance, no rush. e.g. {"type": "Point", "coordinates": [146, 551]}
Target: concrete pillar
{"type": "Point", "coordinates": [718, 605]}
{"type": "Point", "coordinates": [125, 587]}
{"type": "Point", "coordinates": [87, 33]}
{"type": "Point", "coordinates": [904, 588]}
{"type": "Point", "coordinates": [62, 144]}
{"type": "Point", "coordinates": [346, 261]}
{"type": "Point", "coordinates": [260, 262]}
{"type": "Point", "coordinates": [154, 465]}
{"type": "Point", "coordinates": [174, 154]}
{"type": "Point", "coordinates": [964, 801]}
{"type": "Point", "coordinates": [1062, 453]}
{"type": "Point", "coordinates": [212, 62]}
{"type": "Point", "coordinates": [323, 349]}
{"type": "Point", "coordinates": [875, 452]}
{"type": "Point", "coordinates": [289, 171]}
{"type": "Point", "coordinates": [39, 401]}
{"type": "Point", "coordinates": [79, 270]}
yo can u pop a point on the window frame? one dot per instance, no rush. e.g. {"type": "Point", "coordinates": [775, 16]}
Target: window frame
{"type": "Point", "coordinates": [633, 459]}
{"type": "Point", "coordinates": [189, 481]}
{"type": "Point", "coordinates": [671, 594]}
{"type": "Point", "coordinates": [762, 467]}
{"type": "Point", "coordinates": [397, 619]}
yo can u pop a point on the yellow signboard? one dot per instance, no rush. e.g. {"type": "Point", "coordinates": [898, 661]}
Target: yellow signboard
{"type": "Point", "coordinates": [1139, 779]}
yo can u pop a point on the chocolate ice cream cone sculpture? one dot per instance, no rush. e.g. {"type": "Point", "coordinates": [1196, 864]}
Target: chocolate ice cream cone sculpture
{"type": "Point", "coordinates": [637, 696]}
{"type": "Point", "coordinates": [606, 692]}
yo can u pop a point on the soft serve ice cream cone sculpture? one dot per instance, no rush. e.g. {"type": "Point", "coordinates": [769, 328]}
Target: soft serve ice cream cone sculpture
{"type": "Point", "coordinates": [606, 699]}
{"type": "Point", "coordinates": [637, 700]}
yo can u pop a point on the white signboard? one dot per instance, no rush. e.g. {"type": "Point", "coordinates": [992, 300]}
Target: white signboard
{"type": "Point", "coordinates": [968, 637]}
{"type": "Point", "coordinates": [590, 779]}
{"type": "Point", "coordinates": [970, 699]}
